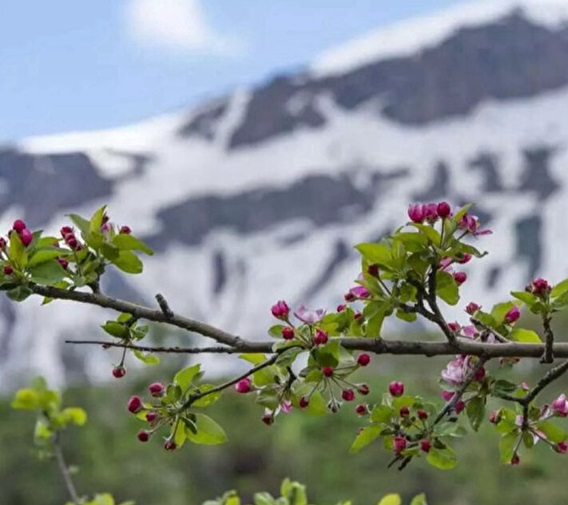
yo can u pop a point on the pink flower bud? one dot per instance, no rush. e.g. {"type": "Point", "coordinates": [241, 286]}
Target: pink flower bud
{"type": "Point", "coordinates": [362, 409]}
{"type": "Point", "coordinates": [480, 374]}
{"type": "Point", "coordinates": [143, 436]}
{"type": "Point", "coordinates": [63, 262]}
{"type": "Point", "coordinates": [561, 447]}
{"type": "Point", "coordinates": [466, 258]}
{"type": "Point", "coordinates": [19, 226]}
{"type": "Point", "coordinates": [396, 388]}
{"type": "Point", "coordinates": [287, 333]}
{"type": "Point", "coordinates": [341, 308]}
{"type": "Point", "coordinates": [360, 292]}
{"type": "Point", "coordinates": [363, 359]}
{"type": "Point", "coordinates": [515, 460]}
{"type": "Point", "coordinates": [416, 213]}
{"type": "Point", "coordinates": [399, 444]}
{"type": "Point", "coordinates": [151, 416]}
{"type": "Point", "coordinates": [373, 270]}
{"type": "Point", "coordinates": [66, 230]}
{"type": "Point", "coordinates": [243, 386]}
{"type": "Point", "coordinates": [512, 315]}
{"type": "Point", "coordinates": [26, 237]}
{"type": "Point", "coordinates": [280, 310]}
{"type": "Point", "coordinates": [425, 445]}
{"type": "Point", "coordinates": [404, 412]}
{"type": "Point", "coordinates": [363, 389]}
{"type": "Point", "coordinates": [304, 402]}
{"type": "Point", "coordinates": [170, 445]}
{"type": "Point", "coordinates": [494, 417]}
{"type": "Point", "coordinates": [460, 277]}
{"type": "Point", "coordinates": [2, 244]}
{"type": "Point", "coordinates": [135, 404]}
{"type": "Point", "coordinates": [349, 297]}
{"type": "Point", "coordinates": [459, 406]}
{"type": "Point", "coordinates": [118, 372]}
{"type": "Point", "coordinates": [422, 415]}
{"type": "Point", "coordinates": [540, 287]}
{"type": "Point", "coordinates": [320, 337]}
{"type": "Point", "coordinates": [454, 327]}
{"type": "Point", "coordinates": [357, 315]}
{"type": "Point", "coordinates": [327, 371]}
{"type": "Point", "coordinates": [471, 308]}
{"type": "Point", "coordinates": [348, 395]}
{"type": "Point", "coordinates": [443, 209]}
{"type": "Point", "coordinates": [267, 418]}
{"type": "Point", "coordinates": [156, 389]}
{"type": "Point", "coordinates": [8, 270]}
{"type": "Point", "coordinates": [125, 230]}
{"type": "Point", "coordinates": [446, 395]}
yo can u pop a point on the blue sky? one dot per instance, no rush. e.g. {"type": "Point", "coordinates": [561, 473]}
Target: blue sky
{"type": "Point", "coordinates": [70, 65]}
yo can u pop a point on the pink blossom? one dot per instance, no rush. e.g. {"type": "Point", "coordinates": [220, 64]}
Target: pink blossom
{"type": "Point", "coordinates": [471, 225]}
{"type": "Point", "coordinates": [561, 447]}
{"type": "Point", "coordinates": [430, 212]}
{"type": "Point", "coordinates": [454, 327]}
{"type": "Point", "coordinates": [309, 316]}
{"type": "Point", "coordinates": [460, 277]}
{"type": "Point", "coordinates": [512, 315]}
{"type": "Point", "coordinates": [470, 331]}
{"type": "Point", "coordinates": [320, 337]}
{"type": "Point", "coordinates": [446, 395]}
{"type": "Point", "coordinates": [445, 264]}
{"type": "Point", "coordinates": [466, 258]}
{"type": "Point", "coordinates": [360, 292]}
{"type": "Point", "coordinates": [560, 406]}
{"type": "Point", "coordinates": [286, 406]}
{"type": "Point", "coordinates": [456, 371]}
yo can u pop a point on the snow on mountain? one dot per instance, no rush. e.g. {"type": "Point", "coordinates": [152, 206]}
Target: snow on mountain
{"type": "Point", "coordinates": [410, 36]}
{"type": "Point", "coordinates": [260, 195]}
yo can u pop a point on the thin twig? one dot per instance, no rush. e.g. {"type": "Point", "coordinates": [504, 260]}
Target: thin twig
{"type": "Point", "coordinates": [228, 384]}
{"type": "Point", "coordinates": [162, 350]}
{"type": "Point", "coordinates": [64, 469]}
{"type": "Point", "coordinates": [548, 356]}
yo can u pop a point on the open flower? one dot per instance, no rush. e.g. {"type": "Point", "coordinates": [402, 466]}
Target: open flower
{"type": "Point", "coordinates": [471, 225]}
{"type": "Point", "coordinates": [309, 316]}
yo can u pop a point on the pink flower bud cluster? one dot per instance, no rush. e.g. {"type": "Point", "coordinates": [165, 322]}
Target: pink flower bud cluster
{"type": "Point", "coordinates": [23, 232]}
{"type": "Point", "coordinates": [429, 212]}
{"type": "Point", "coordinates": [70, 239]}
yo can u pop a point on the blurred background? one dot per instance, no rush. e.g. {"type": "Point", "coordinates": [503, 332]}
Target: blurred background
{"type": "Point", "coordinates": [252, 144]}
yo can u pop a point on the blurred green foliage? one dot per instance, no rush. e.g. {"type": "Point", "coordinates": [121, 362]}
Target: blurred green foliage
{"type": "Point", "coordinates": [311, 450]}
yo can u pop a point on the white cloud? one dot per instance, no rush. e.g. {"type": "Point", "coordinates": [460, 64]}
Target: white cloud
{"type": "Point", "coordinates": [176, 25]}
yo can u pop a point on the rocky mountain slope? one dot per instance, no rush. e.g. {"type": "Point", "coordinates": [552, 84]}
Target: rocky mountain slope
{"type": "Point", "coordinates": [261, 194]}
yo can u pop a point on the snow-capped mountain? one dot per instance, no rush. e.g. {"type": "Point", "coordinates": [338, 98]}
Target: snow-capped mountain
{"type": "Point", "coordinates": [260, 195]}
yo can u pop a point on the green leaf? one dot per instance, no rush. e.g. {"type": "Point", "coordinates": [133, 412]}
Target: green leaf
{"type": "Point", "coordinates": [255, 358]}
{"type": "Point", "coordinates": [146, 357]}
{"type": "Point", "coordinates": [390, 499]}
{"type": "Point", "coordinates": [443, 459]}
{"type": "Point", "coordinates": [17, 251]}
{"type": "Point", "coordinates": [419, 500]}
{"type": "Point", "coordinates": [116, 329]}
{"type": "Point", "coordinates": [525, 336]}
{"type": "Point", "coordinates": [75, 415]}
{"type": "Point", "coordinates": [210, 399]}
{"type": "Point", "coordinates": [365, 437]}
{"type": "Point", "coordinates": [208, 431]}
{"type": "Point", "coordinates": [502, 386]}
{"type": "Point", "coordinates": [382, 414]}
{"type": "Point", "coordinates": [432, 234]}
{"type": "Point", "coordinates": [525, 297]}
{"type": "Point", "coordinates": [559, 289]}
{"type": "Point", "coordinates": [552, 432]}
{"type": "Point", "coordinates": [128, 262]}
{"type": "Point", "coordinates": [507, 447]}
{"type": "Point", "coordinates": [381, 254]}
{"type": "Point", "coordinates": [19, 294]}
{"type": "Point", "coordinates": [126, 242]}
{"type": "Point", "coordinates": [80, 223]}
{"type": "Point", "coordinates": [47, 273]}
{"type": "Point", "coordinates": [46, 254]}
{"type": "Point", "coordinates": [447, 288]}
{"type": "Point", "coordinates": [185, 377]}
{"type": "Point", "coordinates": [26, 399]}
{"type": "Point", "coordinates": [97, 220]}
{"type": "Point", "coordinates": [476, 411]}
{"type": "Point", "coordinates": [180, 433]}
